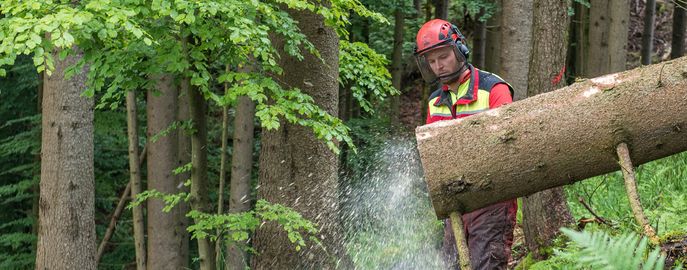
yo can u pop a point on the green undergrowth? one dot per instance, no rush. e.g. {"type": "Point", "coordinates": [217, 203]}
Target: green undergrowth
{"type": "Point", "coordinates": [662, 186]}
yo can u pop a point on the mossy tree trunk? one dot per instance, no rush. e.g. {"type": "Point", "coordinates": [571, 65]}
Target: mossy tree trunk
{"type": "Point", "coordinates": [297, 169]}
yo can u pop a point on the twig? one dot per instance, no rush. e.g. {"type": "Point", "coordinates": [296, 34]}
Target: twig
{"type": "Point", "coordinates": [461, 242]}
{"type": "Point", "coordinates": [116, 214]}
{"type": "Point", "coordinates": [632, 195]}
{"type": "Point", "coordinates": [600, 219]}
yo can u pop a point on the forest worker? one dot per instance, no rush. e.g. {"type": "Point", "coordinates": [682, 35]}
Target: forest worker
{"type": "Point", "coordinates": [442, 56]}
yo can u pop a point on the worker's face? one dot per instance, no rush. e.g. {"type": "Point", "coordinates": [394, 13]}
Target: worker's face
{"type": "Point", "coordinates": [442, 61]}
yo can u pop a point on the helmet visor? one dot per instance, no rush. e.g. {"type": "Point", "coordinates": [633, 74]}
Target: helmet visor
{"type": "Point", "coordinates": [426, 70]}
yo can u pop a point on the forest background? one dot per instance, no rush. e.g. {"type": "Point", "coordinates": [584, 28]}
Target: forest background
{"type": "Point", "coordinates": [243, 128]}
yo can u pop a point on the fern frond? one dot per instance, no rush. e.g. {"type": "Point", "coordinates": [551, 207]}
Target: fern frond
{"type": "Point", "coordinates": [22, 222]}
{"type": "Point", "coordinates": [628, 251]}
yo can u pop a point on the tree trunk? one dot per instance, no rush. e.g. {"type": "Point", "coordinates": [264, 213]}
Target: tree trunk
{"type": "Point", "coordinates": [66, 237]}
{"type": "Point", "coordinates": [596, 61]}
{"type": "Point", "coordinates": [222, 172]}
{"type": "Point", "coordinates": [516, 38]}
{"type": "Point", "coordinates": [428, 10]}
{"type": "Point", "coordinates": [135, 179]}
{"type": "Point", "coordinates": [545, 212]}
{"type": "Point", "coordinates": [297, 169]}
{"type": "Point", "coordinates": [417, 4]}
{"type": "Point", "coordinates": [648, 33]}
{"type": "Point", "coordinates": [607, 36]}
{"type": "Point", "coordinates": [241, 168]}
{"type": "Point", "coordinates": [183, 158]}
{"type": "Point", "coordinates": [397, 65]}
{"type": "Point", "coordinates": [199, 176]}
{"type": "Point", "coordinates": [479, 43]}
{"type": "Point", "coordinates": [581, 125]}
{"type": "Point", "coordinates": [677, 47]}
{"type": "Point", "coordinates": [163, 240]}
{"type": "Point", "coordinates": [617, 38]}
{"type": "Point", "coordinates": [492, 57]}
{"type": "Point", "coordinates": [580, 31]}
{"type": "Point", "coordinates": [441, 9]}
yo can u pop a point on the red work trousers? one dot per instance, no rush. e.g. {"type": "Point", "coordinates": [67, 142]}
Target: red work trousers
{"type": "Point", "coordinates": [489, 233]}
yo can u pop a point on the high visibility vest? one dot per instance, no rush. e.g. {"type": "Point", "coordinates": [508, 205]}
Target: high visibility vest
{"type": "Point", "coordinates": [472, 97]}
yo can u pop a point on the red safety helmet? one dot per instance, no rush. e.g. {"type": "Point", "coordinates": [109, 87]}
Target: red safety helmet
{"type": "Point", "coordinates": [438, 33]}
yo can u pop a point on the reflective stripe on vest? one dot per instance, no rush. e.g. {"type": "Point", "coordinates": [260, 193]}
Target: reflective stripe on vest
{"type": "Point", "coordinates": [479, 105]}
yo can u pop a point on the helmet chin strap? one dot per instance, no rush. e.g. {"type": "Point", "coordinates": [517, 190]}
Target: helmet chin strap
{"type": "Point", "coordinates": [449, 78]}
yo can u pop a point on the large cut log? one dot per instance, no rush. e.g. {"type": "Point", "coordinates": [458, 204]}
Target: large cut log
{"type": "Point", "coordinates": [556, 138]}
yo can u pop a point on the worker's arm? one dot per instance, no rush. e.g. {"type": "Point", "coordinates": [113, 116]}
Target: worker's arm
{"type": "Point", "coordinates": [499, 95]}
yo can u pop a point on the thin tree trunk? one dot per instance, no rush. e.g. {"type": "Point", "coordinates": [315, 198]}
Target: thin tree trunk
{"type": "Point", "coordinates": [298, 170]}
{"type": "Point", "coordinates": [117, 213]}
{"type": "Point", "coordinates": [417, 4]}
{"type": "Point", "coordinates": [580, 28]}
{"type": "Point", "coordinates": [479, 46]}
{"type": "Point", "coordinates": [163, 240]}
{"type": "Point", "coordinates": [516, 40]}
{"type": "Point", "coordinates": [441, 9]}
{"type": "Point", "coordinates": [397, 64]}
{"type": "Point", "coordinates": [222, 171]}
{"type": "Point", "coordinates": [184, 157]}
{"type": "Point", "coordinates": [648, 33]}
{"type": "Point", "coordinates": [241, 171]}
{"type": "Point", "coordinates": [199, 178]}
{"type": "Point", "coordinates": [428, 10]}
{"type": "Point", "coordinates": [492, 57]}
{"type": "Point", "coordinates": [526, 146]}
{"type": "Point", "coordinates": [135, 180]}
{"type": "Point", "coordinates": [679, 20]}
{"type": "Point", "coordinates": [66, 237]}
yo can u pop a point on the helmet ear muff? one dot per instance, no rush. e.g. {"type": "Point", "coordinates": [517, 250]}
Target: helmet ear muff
{"type": "Point", "coordinates": [460, 41]}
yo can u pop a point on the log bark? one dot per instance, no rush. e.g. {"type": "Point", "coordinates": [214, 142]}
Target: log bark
{"type": "Point", "coordinates": [555, 138]}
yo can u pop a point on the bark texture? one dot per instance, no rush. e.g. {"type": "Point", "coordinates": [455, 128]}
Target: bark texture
{"type": "Point", "coordinates": [66, 235]}
{"type": "Point", "coordinates": [163, 240]}
{"type": "Point", "coordinates": [555, 138]}
{"type": "Point", "coordinates": [545, 212]}
{"type": "Point", "coordinates": [516, 37]}
{"type": "Point", "coordinates": [241, 170]}
{"type": "Point", "coordinates": [298, 170]}
{"type": "Point", "coordinates": [609, 20]}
